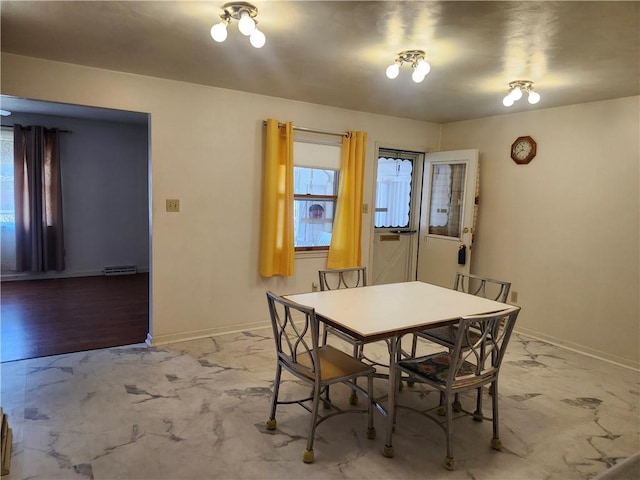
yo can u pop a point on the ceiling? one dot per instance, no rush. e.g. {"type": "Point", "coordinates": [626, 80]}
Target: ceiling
{"type": "Point", "coordinates": [336, 53]}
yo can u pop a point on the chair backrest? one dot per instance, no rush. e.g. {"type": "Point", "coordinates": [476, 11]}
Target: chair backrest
{"type": "Point", "coordinates": [335, 279]}
{"type": "Point", "coordinates": [482, 286]}
{"type": "Point", "coordinates": [481, 341]}
{"type": "Point", "coordinates": [296, 333]}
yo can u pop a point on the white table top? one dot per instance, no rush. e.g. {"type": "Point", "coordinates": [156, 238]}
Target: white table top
{"type": "Point", "coordinates": [382, 311]}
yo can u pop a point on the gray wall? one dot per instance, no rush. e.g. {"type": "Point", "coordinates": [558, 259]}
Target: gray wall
{"type": "Point", "coordinates": [105, 191]}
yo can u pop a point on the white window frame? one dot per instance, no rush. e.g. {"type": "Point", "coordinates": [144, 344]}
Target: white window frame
{"type": "Point", "coordinates": [320, 154]}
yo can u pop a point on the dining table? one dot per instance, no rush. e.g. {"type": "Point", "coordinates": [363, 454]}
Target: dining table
{"type": "Point", "coordinates": [388, 312]}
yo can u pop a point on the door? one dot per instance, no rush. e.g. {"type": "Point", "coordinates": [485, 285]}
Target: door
{"type": "Point", "coordinates": [448, 209]}
{"type": "Point", "coordinates": [396, 216]}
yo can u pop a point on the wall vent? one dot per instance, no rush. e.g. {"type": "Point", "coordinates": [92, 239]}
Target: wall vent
{"type": "Point", "coordinates": [120, 270]}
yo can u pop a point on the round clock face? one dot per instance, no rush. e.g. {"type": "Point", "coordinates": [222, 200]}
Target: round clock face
{"type": "Point", "coordinates": [523, 150]}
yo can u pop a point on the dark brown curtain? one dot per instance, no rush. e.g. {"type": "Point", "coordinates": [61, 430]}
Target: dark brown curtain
{"type": "Point", "coordinates": [38, 199]}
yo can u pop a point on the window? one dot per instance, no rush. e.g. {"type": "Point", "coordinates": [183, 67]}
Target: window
{"type": "Point", "coordinates": [7, 209]}
{"type": "Point", "coordinates": [315, 190]}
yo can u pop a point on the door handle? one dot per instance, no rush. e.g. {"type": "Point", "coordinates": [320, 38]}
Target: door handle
{"type": "Point", "coordinates": [404, 232]}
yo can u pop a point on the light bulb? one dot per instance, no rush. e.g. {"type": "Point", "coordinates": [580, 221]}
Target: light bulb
{"type": "Point", "coordinates": [393, 71]}
{"type": "Point", "coordinates": [246, 24]}
{"type": "Point", "coordinates": [417, 76]}
{"type": "Point", "coordinates": [257, 39]}
{"type": "Point", "coordinates": [508, 100]}
{"type": "Point", "coordinates": [219, 32]}
{"type": "Point", "coordinates": [423, 67]}
{"type": "Point", "coordinates": [534, 97]}
{"type": "Point", "coordinates": [516, 93]}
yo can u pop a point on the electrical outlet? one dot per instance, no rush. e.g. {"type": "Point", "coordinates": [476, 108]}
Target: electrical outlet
{"type": "Point", "coordinates": [314, 287]}
{"type": "Point", "coordinates": [173, 205]}
{"type": "Point", "coordinates": [365, 208]}
{"type": "Point", "coordinates": [514, 297]}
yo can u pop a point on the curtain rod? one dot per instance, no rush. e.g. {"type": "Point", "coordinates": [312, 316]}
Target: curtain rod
{"type": "Point", "coordinates": [313, 130]}
{"type": "Point", "coordinates": [29, 128]}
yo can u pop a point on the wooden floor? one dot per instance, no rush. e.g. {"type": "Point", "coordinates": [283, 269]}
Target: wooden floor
{"type": "Point", "coordinates": [49, 317]}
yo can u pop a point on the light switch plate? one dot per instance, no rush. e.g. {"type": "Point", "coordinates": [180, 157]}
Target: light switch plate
{"type": "Point", "coordinates": [173, 205]}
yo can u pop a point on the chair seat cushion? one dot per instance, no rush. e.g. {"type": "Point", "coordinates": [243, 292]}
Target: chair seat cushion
{"type": "Point", "coordinates": [443, 335]}
{"type": "Point", "coordinates": [334, 365]}
{"type": "Point", "coordinates": [435, 368]}
{"type": "Point", "coordinates": [447, 335]}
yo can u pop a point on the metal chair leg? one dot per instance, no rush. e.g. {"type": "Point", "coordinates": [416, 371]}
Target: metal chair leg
{"type": "Point", "coordinates": [477, 415]}
{"type": "Point", "coordinates": [271, 422]}
{"type": "Point", "coordinates": [449, 461]}
{"type": "Point", "coordinates": [308, 456]}
{"type": "Point", "coordinates": [496, 444]}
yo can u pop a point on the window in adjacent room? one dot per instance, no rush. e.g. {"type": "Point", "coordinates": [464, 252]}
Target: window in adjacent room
{"type": "Point", "coordinates": [7, 210]}
{"type": "Point", "coordinates": [315, 189]}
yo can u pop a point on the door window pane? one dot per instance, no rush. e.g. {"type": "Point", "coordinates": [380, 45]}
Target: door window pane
{"type": "Point", "coordinates": [447, 195]}
{"type": "Point", "coordinates": [393, 192]}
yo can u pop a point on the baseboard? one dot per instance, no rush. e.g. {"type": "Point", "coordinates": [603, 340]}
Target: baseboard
{"type": "Point", "coordinates": [10, 277]}
{"type": "Point", "coordinates": [574, 347]}
{"type": "Point", "coordinates": [48, 275]}
{"type": "Point", "coordinates": [155, 341]}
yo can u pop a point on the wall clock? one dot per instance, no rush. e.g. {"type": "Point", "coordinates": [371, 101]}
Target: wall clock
{"type": "Point", "coordinates": [523, 150]}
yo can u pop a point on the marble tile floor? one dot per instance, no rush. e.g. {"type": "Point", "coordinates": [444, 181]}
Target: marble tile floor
{"type": "Point", "coordinates": [196, 410]}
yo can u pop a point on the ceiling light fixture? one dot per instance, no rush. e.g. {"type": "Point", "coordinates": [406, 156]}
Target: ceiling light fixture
{"type": "Point", "coordinates": [414, 57]}
{"type": "Point", "coordinates": [516, 89]}
{"type": "Point", "coordinates": [245, 14]}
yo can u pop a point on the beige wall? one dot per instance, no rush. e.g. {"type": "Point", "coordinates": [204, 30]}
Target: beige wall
{"type": "Point", "coordinates": [565, 228]}
{"type": "Point", "coordinates": [206, 150]}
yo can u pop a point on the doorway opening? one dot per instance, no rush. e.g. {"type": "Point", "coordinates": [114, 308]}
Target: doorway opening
{"type": "Point", "coordinates": [105, 163]}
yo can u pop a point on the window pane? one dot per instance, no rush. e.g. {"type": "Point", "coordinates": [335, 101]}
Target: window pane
{"type": "Point", "coordinates": [393, 192]}
{"type": "Point", "coordinates": [313, 212]}
{"type": "Point", "coordinates": [314, 181]}
{"type": "Point", "coordinates": [313, 222]}
{"type": "Point", "coordinates": [447, 195]}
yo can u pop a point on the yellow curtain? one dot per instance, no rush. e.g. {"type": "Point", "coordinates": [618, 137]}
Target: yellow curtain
{"type": "Point", "coordinates": [346, 240]}
{"type": "Point", "coordinates": [276, 236]}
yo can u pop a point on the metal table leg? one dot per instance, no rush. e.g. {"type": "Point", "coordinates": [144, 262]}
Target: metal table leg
{"type": "Point", "coordinates": [387, 450]}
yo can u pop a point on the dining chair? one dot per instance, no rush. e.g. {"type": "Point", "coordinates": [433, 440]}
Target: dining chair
{"type": "Point", "coordinates": [334, 279]}
{"type": "Point", "coordinates": [485, 287]}
{"type": "Point", "coordinates": [296, 332]}
{"type": "Point", "coordinates": [474, 361]}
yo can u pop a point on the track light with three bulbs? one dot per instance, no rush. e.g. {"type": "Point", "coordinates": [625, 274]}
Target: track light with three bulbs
{"type": "Point", "coordinates": [516, 89]}
{"type": "Point", "coordinates": [416, 59]}
{"type": "Point", "coordinates": [245, 14]}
